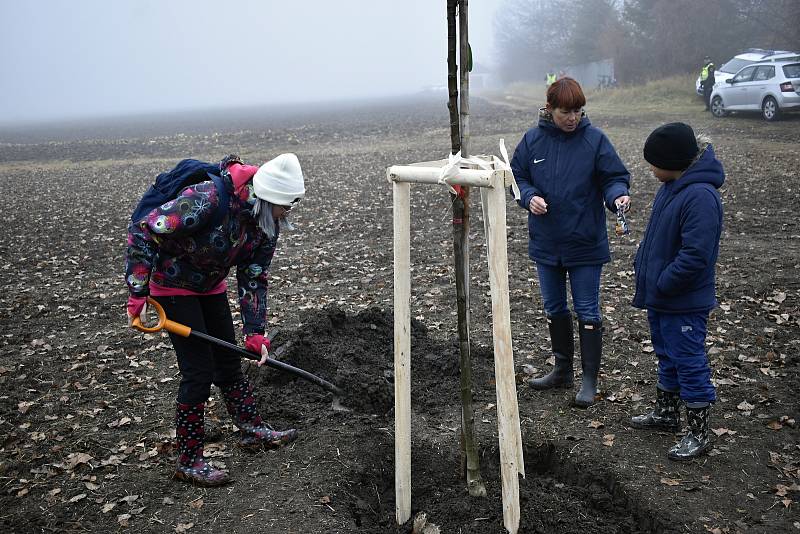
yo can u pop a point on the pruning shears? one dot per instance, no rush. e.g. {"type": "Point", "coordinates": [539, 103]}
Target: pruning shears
{"type": "Point", "coordinates": [622, 224]}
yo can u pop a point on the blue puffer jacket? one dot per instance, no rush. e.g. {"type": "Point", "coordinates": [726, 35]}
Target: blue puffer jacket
{"type": "Point", "coordinates": [574, 173]}
{"type": "Point", "coordinates": [676, 258]}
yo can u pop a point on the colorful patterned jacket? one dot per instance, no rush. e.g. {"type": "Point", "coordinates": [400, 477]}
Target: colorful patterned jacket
{"type": "Point", "coordinates": [175, 247]}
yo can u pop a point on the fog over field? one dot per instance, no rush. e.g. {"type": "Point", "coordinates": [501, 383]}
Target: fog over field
{"type": "Point", "coordinates": [94, 58]}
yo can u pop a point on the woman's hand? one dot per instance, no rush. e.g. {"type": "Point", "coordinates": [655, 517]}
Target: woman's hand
{"type": "Point", "coordinates": [623, 202]}
{"type": "Point", "coordinates": [537, 206]}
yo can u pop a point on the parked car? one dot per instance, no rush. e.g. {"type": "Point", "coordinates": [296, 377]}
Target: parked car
{"type": "Point", "coordinates": [772, 88]}
{"type": "Point", "coordinates": [748, 57]}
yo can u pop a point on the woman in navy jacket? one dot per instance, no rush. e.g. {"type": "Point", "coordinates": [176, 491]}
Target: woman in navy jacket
{"type": "Point", "coordinates": [567, 170]}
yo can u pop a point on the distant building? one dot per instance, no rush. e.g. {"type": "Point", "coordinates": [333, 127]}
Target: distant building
{"type": "Point", "coordinates": [594, 74]}
{"type": "Point", "coordinates": [482, 77]}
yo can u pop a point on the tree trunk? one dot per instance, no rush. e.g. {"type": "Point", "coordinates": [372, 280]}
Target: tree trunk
{"type": "Point", "coordinates": [475, 483]}
{"type": "Point", "coordinates": [452, 76]}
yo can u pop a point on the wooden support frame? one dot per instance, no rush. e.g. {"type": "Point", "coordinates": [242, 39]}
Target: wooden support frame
{"type": "Point", "coordinates": [402, 349]}
{"type": "Point", "coordinates": [493, 185]}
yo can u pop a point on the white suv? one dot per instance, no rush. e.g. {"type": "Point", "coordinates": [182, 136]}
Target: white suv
{"type": "Point", "coordinates": [748, 57]}
{"type": "Point", "coordinates": [772, 88]}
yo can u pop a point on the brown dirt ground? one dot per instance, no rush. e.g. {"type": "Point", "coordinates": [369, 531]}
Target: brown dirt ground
{"type": "Point", "coordinates": [86, 404]}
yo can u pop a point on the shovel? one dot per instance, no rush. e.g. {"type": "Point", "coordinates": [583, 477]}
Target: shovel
{"type": "Point", "coordinates": [185, 331]}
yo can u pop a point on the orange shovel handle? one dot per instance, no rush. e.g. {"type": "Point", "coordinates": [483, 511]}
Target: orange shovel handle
{"type": "Point", "coordinates": [163, 322]}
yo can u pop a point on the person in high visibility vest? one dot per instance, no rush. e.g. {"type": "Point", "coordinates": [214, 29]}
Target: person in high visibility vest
{"type": "Point", "coordinates": [707, 80]}
{"type": "Point", "coordinates": [549, 79]}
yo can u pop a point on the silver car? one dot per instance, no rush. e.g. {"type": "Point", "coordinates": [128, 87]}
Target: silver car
{"type": "Point", "coordinates": [748, 57]}
{"type": "Point", "coordinates": [771, 88]}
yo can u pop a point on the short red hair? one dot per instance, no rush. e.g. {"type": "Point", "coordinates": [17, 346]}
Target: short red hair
{"type": "Point", "coordinates": [565, 93]}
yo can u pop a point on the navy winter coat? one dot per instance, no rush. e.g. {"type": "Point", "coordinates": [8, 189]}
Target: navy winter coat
{"type": "Point", "coordinates": [574, 173]}
{"type": "Point", "coordinates": [676, 258]}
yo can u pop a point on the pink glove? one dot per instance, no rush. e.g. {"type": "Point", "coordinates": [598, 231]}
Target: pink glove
{"type": "Point", "coordinates": [136, 305]}
{"type": "Point", "coordinates": [253, 342]}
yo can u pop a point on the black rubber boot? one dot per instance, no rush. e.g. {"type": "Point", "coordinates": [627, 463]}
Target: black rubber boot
{"type": "Point", "coordinates": [189, 433]}
{"type": "Point", "coordinates": [697, 440]}
{"type": "Point", "coordinates": [591, 337]}
{"type": "Point", "coordinates": [666, 414]}
{"type": "Point", "coordinates": [254, 433]}
{"type": "Point", "coordinates": [563, 345]}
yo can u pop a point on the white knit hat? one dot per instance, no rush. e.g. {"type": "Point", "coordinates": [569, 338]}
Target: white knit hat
{"type": "Point", "coordinates": [280, 181]}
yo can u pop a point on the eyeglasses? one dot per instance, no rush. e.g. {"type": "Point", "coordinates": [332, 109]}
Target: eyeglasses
{"type": "Point", "coordinates": [294, 203]}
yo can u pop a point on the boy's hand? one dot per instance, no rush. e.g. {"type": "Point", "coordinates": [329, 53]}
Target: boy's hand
{"type": "Point", "coordinates": [538, 206]}
{"type": "Point", "coordinates": [623, 202]}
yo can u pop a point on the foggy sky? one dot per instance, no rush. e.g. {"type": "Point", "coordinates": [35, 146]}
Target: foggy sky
{"type": "Point", "coordinates": [76, 58]}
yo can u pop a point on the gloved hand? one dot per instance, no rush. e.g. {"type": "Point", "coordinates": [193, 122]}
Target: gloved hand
{"type": "Point", "coordinates": [137, 307]}
{"type": "Point", "coordinates": [229, 160]}
{"type": "Point", "coordinates": [259, 344]}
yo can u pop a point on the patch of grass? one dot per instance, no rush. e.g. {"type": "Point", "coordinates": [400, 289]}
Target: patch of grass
{"type": "Point", "coordinates": [675, 93]}
{"type": "Point", "coordinates": [666, 96]}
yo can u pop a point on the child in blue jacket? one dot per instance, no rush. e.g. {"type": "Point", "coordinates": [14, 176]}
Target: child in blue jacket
{"type": "Point", "coordinates": [675, 280]}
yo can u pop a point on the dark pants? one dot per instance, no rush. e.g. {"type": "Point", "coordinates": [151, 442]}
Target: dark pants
{"type": "Point", "coordinates": [707, 94]}
{"type": "Point", "coordinates": [679, 343]}
{"type": "Point", "coordinates": [201, 363]}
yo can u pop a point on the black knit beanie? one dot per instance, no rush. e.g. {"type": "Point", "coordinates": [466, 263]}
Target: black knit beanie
{"type": "Point", "coordinates": [672, 147]}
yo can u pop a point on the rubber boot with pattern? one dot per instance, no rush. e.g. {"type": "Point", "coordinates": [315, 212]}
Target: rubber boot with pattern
{"type": "Point", "coordinates": [697, 440]}
{"type": "Point", "coordinates": [666, 414]}
{"type": "Point", "coordinates": [591, 338]}
{"type": "Point", "coordinates": [190, 435]}
{"type": "Point", "coordinates": [561, 376]}
{"type": "Point", "coordinates": [253, 432]}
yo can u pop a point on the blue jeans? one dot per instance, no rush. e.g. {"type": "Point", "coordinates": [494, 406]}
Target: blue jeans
{"type": "Point", "coordinates": [679, 342]}
{"type": "Point", "coordinates": [584, 281]}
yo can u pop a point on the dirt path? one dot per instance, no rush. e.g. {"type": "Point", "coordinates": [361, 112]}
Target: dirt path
{"type": "Point", "coordinates": [86, 404]}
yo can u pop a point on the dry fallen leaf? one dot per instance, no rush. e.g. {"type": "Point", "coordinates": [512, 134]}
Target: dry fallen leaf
{"type": "Point", "coordinates": [196, 504]}
{"type": "Point", "coordinates": [183, 527]}
{"type": "Point", "coordinates": [774, 425]}
{"type": "Point", "coordinates": [77, 458]}
{"type": "Point", "coordinates": [325, 499]}
{"type": "Point", "coordinates": [782, 490]}
{"type": "Point", "coordinates": [596, 424]}
{"type": "Point", "coordinates": [670, 481]}
{"type": "Point", "coordinates": [745, 406]}
{"type": "Point", "coordinates": [608, 440]}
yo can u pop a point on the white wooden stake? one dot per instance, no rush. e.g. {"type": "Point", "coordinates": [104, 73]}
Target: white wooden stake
{"type": "Point", "coordinates": [509, 435]}
{"type": "Point", "coordinates": [402, 350]}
